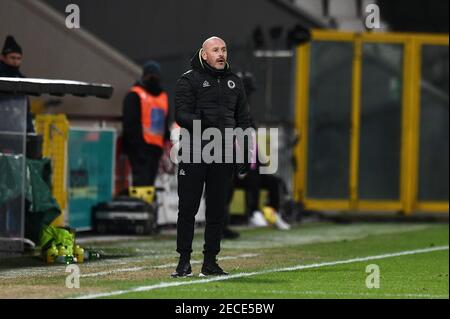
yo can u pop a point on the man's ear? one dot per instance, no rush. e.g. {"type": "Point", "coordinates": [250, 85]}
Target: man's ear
{"type": "Point", "coordinates": [203, 54]}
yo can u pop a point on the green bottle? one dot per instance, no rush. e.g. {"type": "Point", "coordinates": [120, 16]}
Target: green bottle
{"type": "Point", "coordinates": [91, 255]}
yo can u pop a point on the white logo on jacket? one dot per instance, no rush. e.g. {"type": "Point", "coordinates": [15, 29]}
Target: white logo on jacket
{"type": "Point", "coordinates": [206, 84]}
{"type": "Point", "coordinates": [231, 84]}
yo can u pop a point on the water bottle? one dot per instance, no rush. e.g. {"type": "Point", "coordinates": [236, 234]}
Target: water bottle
{"type": "Point", "coordinates": [51, 254]}
{"type": "Point", "coordinates": [78, 254]}
{"type": "Point", "coordinates": [62, 257]}
{"type": "Point", "coordinates": [90, 255]}
{"type": "Point", "coordinates": [70, 259]}
{"type": "Point", "coordinates": [93, 255]}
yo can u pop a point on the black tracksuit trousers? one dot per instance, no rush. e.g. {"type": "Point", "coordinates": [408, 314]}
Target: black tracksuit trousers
{"type": "Point", "coordinates": [192, 177]}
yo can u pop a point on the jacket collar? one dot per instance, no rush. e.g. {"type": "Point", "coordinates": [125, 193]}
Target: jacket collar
{"type": "Point", "coordinates": [9, 71]}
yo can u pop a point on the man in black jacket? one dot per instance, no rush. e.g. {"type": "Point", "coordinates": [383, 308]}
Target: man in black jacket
{"type": "Point", "coordinates": [10, 62]}
{"type": "Point", "coordinates": [145, 125]}
{"type": "Point", "coordinates": [212, 94]}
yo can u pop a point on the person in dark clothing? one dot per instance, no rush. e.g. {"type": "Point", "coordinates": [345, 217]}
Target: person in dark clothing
{"type": "Point", "coordinates": [145, 125]}
{"type": "Point", "coordinates": [253, 183]}
{"type": "Point", "coordinates": [214, 95]}
{"type": "Point", "coordinates": [10, 62]}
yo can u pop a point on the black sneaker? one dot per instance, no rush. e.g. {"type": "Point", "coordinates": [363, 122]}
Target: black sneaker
{"type": "Point", "coordinates": [212, 269]}
{"type": "Point", "coordinates": [183, 270]}
{"type": "Point", "coordinates": [230, 234]}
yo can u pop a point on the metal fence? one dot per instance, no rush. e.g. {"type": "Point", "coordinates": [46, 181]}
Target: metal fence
{"type": "Point", "coordinates": [372, 111]}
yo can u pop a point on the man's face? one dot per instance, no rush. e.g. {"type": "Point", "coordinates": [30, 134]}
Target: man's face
{"type": "Point", "coordinates": [13, 59]}
{"type": "Point", "coordinates": [215, 53]}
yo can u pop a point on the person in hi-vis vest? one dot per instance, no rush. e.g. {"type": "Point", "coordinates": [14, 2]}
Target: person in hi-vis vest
{"type": "Point", "coordinates": [145, 125]}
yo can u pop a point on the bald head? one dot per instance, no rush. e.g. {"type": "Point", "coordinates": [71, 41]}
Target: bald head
{"type": "Point", "coordinates": [214, 52]}
{"type": "Point", "coordinates": [211, 41]}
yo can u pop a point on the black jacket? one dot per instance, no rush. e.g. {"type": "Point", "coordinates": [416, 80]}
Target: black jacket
{"type": "Point", "coordinates": [11, 72]}
{"type": "Point", "coordinates": [133, 141]}
{"type": "Point", "coordinates": [215, 97]}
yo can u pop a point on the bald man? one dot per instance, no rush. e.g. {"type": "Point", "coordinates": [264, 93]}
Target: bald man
{"type": "Point", "coordinates": [215, 96]}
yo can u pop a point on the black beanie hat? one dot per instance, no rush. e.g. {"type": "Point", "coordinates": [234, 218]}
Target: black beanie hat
{"type": "Point", "coordinates": [11, 46]}
{"type": "Point", "coordinates": [152, 67]}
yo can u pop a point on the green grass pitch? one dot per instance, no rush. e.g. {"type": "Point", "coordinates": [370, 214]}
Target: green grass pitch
{"type": "Point", "coordinates": [314, 260]}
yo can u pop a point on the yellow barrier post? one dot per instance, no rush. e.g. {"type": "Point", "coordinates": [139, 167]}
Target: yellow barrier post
{"type": "Point", "coordinates": [55, 130]}
{"type": "Point", "coordinates": [355, 124]}
{"type": "Point", "coordinates": [301, 120]}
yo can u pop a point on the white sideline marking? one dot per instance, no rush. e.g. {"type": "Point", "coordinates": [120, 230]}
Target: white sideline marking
{"type": "Point", "coordinates": [133, 269]}
{"type": "Point", "coordinates": [109, 272]}
{"type": "Point", "coordinates": [241, 275]}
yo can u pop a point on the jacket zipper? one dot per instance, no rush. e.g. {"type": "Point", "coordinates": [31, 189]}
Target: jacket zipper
{"type": "Point", "coordinates": [220, 106]}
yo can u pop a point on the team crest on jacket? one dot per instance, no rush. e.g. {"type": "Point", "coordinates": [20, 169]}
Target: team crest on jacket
{"type": "Point", "coordinates": [231, 84]}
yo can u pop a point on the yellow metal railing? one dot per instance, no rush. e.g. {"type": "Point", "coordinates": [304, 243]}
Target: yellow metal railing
{"type": "Point", "coordinates": [410, 122]}
{"type": "Point", "coordinates": [54, 129]}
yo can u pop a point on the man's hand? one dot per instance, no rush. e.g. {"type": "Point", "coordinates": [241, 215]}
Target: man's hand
{"type": "Point", "coordinates": [242, 169]}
